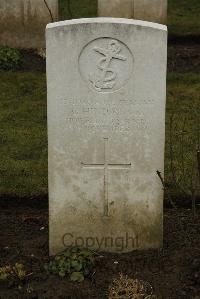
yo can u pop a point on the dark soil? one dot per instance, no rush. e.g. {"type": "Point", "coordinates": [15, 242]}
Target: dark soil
{"type": "Point", "coordinates": [173, 272]}
{"type": "Point", "coordinates": [181, 58]}
{"type": "Point", "coordinates": [32, 61]}
{"type": "Point", "coordinates": [184, 58]}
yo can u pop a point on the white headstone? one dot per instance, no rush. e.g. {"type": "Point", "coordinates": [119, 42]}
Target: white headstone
{"type": "Point", "coordinates": [106, 128]}
{"type": "Point", "coordinates": [147, 10]}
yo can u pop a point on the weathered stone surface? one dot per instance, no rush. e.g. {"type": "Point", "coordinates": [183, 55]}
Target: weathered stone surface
{"type": "Point", "coordinates": [147, 10]}
{"type": "Point", "coordinates": [151, 10]}
{"type": "Point", "coordinates": [116, 8]}
{"type": "Point", "coordinates": [106, 127]}
{"type": "Point", "coordinates": [23, 22]}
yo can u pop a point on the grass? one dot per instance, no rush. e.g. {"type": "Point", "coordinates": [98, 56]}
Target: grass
{"type": "Point", "coordinates": [183, 15]}
{"type": "Point", "coordinates": [23, 136]}
{"type": "Point", "coordinates": [182, 132]}
{"type": "Point", "coordinates": [23, 133]}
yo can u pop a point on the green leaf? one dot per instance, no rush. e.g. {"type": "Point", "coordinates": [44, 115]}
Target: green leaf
{"type": "Point", "coordinates": [57, 258]}
{"type": "Point", "coordinates": [47, 268]}
{"type": "Point", "coordinates": [74, 249]}
{"type": "Point", "coordinates": [61, 273]}
{"type": "Point", "coordinates": [86, 253]}
{"type": "Point", "coordinates": [3, 276]}
{"type": "Point", "coordinates": [77, 266]}
{"type": "Point", "coordinates": [67, 266]}
{"type": "Point", "coordinates": [67, 253]}
{"type": "Point", "coordinates": [77, 276]}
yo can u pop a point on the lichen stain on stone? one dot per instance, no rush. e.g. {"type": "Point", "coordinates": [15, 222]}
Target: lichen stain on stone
{"type": "Point", "coordinates": [73, 209]}
{"type": "Point", "coordinates": [75, 188]}
{"type": "Point", "coordinates": [82, 195]}
{"type": "Point", "coordinates": [142, 188]}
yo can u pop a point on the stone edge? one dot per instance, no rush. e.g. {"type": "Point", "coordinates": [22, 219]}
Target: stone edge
{"type": "Point", "coordinates": [107, 21]}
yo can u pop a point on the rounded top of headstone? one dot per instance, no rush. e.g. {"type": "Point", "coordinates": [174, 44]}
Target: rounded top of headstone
{"type": "Point", "coordinates": [107, 20]}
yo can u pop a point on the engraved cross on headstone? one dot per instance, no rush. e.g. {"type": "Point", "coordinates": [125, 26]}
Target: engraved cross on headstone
{"type": "Point", "coordinates": [106, 167]}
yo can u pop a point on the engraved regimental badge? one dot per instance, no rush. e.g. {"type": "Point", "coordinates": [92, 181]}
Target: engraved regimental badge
{"type": "Point", "coordinates": [106, 64]}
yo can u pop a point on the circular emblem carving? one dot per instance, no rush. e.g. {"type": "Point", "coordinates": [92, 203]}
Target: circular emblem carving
{"type": "Point", "coordinates": [106, 64]}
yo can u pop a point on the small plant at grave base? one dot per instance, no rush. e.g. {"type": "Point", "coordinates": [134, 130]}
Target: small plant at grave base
{"type": "Point", "coordinates": [10, 59]}
{"type": "Point", "coordinates": [42, 53]}
{"type": "Point", "coordinates": [13, 273]}
{"type": "Point", "coordinates": [75, 263]}
{"type": "Point", "coordinates": [5, 273]}
{"type": "Point", "coordinates": [19, 271]}
{"type": "Point", "coordinates": [128, 288]}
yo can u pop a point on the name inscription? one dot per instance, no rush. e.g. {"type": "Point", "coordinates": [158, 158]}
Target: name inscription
{"type": "Point", "coordinates": [79, 115]}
